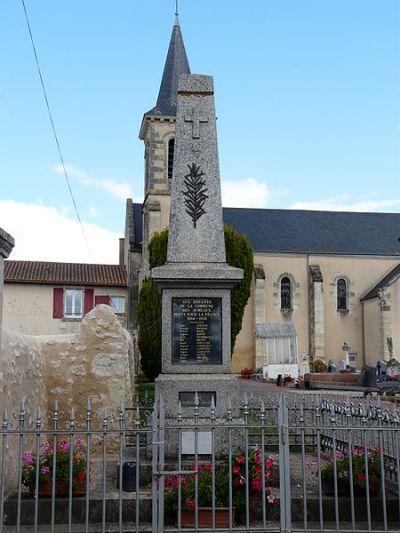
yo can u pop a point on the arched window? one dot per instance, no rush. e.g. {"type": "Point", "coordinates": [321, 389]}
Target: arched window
{"type": "Point", "coordinates": [286, 296]}
{"type": "Point", "coordinates": [341, 287]}
{"type": "Point", "coordinates": [171, 148]}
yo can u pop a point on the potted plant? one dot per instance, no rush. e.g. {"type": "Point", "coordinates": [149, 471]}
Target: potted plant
{"type": "Point", "coordinates": [359, 477]}
{"type": "Point", "coordinates": [204, 490]}
{"type": "Point", "coordinates": [245, 373]}
{"type": "Point", "coordinates": [62, 469]}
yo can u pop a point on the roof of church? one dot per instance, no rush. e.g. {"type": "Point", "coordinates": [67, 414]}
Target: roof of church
{"type": "Point", "coordinates": [383, 283]}
{"type": "Point", "coordinates": [64, 273]}
{"type": "Point", "coordinates": [176, 64]}
{"type": "Point", "coordinates": [311, 232]}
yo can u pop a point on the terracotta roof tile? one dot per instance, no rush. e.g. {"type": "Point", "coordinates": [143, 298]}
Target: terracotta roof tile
{"type": "Point", "coordinates": [64, 273]}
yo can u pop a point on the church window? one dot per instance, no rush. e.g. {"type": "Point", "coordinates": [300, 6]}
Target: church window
{"type": "Point", "coordinates": [171, 149]}
{"type": "Point", "coordinates": [73, 300]}
{"type": "Point", "coordinates": [341, 287]}
{"type": "Point", "coordinates": [286, 296]}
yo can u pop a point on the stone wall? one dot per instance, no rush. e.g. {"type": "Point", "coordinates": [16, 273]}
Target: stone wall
{"type": "Point", "coordinates": [6, 245]}
{"type": "Point", "coordinates": [96, 362]}
{"type": "Point", "coordinates": [22, 377]}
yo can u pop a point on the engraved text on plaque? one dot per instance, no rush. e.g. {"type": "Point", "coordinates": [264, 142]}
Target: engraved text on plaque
{"type": "Point", "coordinates": [197, 331]}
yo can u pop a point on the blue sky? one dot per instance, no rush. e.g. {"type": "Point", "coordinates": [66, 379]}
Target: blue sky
{"type": "Point", "coordinates": [307, 98]}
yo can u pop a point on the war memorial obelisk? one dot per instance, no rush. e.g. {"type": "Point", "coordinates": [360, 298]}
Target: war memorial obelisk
{"type": "Point", "coordinates": [196, 281]}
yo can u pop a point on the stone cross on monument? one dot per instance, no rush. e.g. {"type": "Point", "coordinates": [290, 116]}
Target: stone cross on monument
{"type": "Point", "coordinates": [196, 281]}
{"type": "Point", "coordinates": [196, 120]}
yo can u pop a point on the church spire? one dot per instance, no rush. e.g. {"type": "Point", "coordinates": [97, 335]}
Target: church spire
{"type": "Point", "coordinates": [176, 64]}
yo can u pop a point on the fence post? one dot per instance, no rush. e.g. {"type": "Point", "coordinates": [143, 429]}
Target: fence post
{"type": "Point", "coordinates": [284, 465]}
{"type": "Point", "coordinates": [155, 476]}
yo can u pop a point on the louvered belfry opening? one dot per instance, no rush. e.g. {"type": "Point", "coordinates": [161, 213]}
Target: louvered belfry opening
{"type": "Point", "coordinates": [171, 149]}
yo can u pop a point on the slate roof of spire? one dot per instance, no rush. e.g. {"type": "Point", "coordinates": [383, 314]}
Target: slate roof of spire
{"type": "Point", "coordinates": [176, 64]}
{"type": "Point", "coordinates": [310, 232]}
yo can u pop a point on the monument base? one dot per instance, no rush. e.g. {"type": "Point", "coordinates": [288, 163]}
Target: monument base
{"type": "Point", "coordinates": [200, 434]}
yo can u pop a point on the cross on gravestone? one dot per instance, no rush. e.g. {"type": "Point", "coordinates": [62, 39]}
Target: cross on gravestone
{"type": "Point", "coordinates": [346, 348]}
{"type": "Point", "coordinates": [196, 120]}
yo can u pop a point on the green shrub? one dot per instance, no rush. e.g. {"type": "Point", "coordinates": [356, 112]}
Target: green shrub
{"type": "Point", "coordinates": [149, 320]}
{"type": "Point", "coordinates": [238, 254]}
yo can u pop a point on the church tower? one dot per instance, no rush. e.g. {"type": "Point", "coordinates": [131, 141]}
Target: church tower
{"type": "Point", "coordinates": [158, 133]}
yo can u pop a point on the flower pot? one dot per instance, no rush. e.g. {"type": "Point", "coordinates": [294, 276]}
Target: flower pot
{"type": "Point", "coordinates": [205, 517]}
{"type": "Point", "coordinates": [61, 489]}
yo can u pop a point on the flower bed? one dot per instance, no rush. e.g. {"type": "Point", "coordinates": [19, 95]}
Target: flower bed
{"type": "Point", "coordinates": [257, 485]}
{"type": "Point", "coordinates": [360, 474]}
{"type": "Point", "coordinates": [63, 458]}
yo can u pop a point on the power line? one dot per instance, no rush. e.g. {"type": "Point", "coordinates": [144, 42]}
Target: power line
{"type": "Point", "coordinates": [54, 130]}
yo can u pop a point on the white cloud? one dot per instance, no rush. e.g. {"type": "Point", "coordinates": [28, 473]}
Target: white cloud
{"type": "Point", "coordinates": [93, 212]}
{"type": "Point", "coordinates": [343, 202]}
{"type": "Point", "coordinates": [119, 189]}
{"type": "Point", "coordinates": [44, 233]}
{"type": "Point", "coordinates": [244, 193]}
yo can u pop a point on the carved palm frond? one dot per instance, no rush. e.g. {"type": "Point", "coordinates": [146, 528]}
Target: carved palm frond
{"type": "Point", "coordinates": [195, 193]}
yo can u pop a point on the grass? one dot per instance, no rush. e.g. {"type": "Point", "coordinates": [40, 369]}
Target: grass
{"type": "Point", "coordinates": [144, 388]}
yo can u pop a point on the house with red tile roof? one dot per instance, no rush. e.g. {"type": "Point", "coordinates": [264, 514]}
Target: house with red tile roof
{"type": "Point", "coordinates": [48, 298]}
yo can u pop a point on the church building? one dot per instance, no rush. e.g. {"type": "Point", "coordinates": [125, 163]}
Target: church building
{"type": "Point", "coordinates": [321, 278]}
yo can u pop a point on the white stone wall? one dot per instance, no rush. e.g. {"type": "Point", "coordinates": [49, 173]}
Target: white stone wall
{"type": "Point", "coordinates": [96, 362]}
{"type": "Point", "coordinates": [22, 377]}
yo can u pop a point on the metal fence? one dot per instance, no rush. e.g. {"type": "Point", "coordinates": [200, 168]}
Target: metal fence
{"type": "Point", "coordinates": [303, 463]}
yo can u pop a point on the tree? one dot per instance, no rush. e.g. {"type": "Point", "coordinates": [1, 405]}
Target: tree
{"type": "Point", "coordinates": [238, 254]}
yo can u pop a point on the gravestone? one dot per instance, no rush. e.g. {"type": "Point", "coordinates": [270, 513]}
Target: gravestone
{"type": "Point", "coordinates": [381, 369]}
{"type": "Point", "coordinates": [346, 349]}
{"type": "Point", "coordinates": [196, 281]}
{"type": "Point", "coordinates": [393, 368]}
{"type": "Point", "coordinates": [367, 377]}
{"type": "Point", "coordinates": [332, 367]}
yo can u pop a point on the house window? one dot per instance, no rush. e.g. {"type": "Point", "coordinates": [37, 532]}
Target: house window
{"type": "Point", "coordinates": [118, 304]}
{"type": "Point", "coordinates": [171, 149]}
{"type": "Point", "coordinates": [73, 303]}
{"type": "Point", "coordinates": [286, 296]}
{"type": "Point", "coordinates": [341, 287]}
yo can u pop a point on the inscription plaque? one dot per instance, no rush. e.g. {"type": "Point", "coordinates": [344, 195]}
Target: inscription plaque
{"type": "Point", "coordinates": [197, 331]}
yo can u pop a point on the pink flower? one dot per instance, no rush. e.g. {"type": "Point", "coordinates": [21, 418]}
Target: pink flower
{"type": "Point", "coordinates": [208, 467]}
{"type": "Point", "coordinates": [240, 459]}
{"type": "Point", "coordinates": [258, 458]}
{"type": "Point", "coordinates": [258, 448]}
{"type": "Point", "coordinates": [28, 457]}
{"type": "Point", "coordinates": [236, 469]}
{"type": "Point", "coordinates": [45, 470]}
{"type": "Point", "coordinates": [80, 442]}
{"type": "Point", "coordinates": [256, 484]}
{"type": "Point", "coordinates": [63, 446]}
{"type": "Point", "coordinates": [271, 499]}
{"type": "Point", "coordinates": [258, 469]}
{"type": "Point", "coordinates": [190, 503]}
